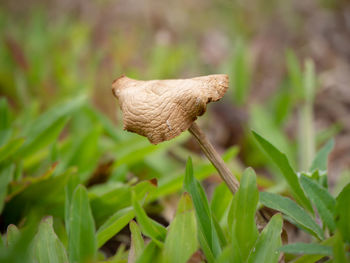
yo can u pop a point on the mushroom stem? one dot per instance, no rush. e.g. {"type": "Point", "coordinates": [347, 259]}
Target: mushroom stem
{"type": "Point", "coordinates": [214, 158]}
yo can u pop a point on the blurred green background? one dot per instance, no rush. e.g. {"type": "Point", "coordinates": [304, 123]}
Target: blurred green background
{"type": "Point", "coordinates": [288, 63]}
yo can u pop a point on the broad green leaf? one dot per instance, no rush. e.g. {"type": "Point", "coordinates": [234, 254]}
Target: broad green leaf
{"type": "Point", "coordinates": [323, 201]}
{"type": "Point", "coordinates": [150, 254]}
{"type": "Point", "coordinates": [137, 243]}
{"type": "Point", "coordinates": [242, 213]}
{"type": "Point", "coordinates": [148, 226]}
{"type": "Point", "coordinates": [181, 240]}
{"type": "Point", "coordinates": [12, 235]}
{"type": "Point", "coordinates": [339, 250]}
{"type": "Point", "coordinates": [307, 249]}
{"type": "Point", "coordinates": [113, 225]}
{"type": "Point", "coordinates": [292, 210]}
{"type": "Point", "coordinates": [6, 175]}
{"type": "Point", "coordinates": [82, 245]}
{"type": "Point", "coordinates": [265, 249]}
{"type": "Point", "coordinates": [47, 247]}
{"type": "Point", "coordinates": [321, 158]}
{"type": "Point", "coordinates": [207, 234]}
{"type": "Point", "coordinates": [291, 177]}
{"type": "Point", "coordinates": [343, 213]}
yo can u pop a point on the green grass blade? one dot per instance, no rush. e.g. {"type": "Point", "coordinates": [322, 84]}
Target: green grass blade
{"type": "Point", "coordinates": [149, 227]}
{"type": "Point", "coordinates": [113, 225]}
{"type": "Point", "coordinates": [339, 250]}
{"type": "Point", "coordinates": [306, 249]}
{"type": "Point", "coordinates": [221, 200]}
{"type": "Point", "coordinates": [292, 210]}
{"type": "Point", "coordinates": [82, 245]}
{"type": "Point", "coordinates": [320, 161]}
{"type": "Point", "coordinates": [343, 213]}
{"type": "Point", "coordinates": [231, 253]}
{"type": "Point", "coordinates": [323, 201]}
{"type": "Point", "coordinates": [6, 175]}
{"type": "Point", "coordinates": [137, 242]}
{"type": "Point", "coordinates": [208, 236]}
{"type": "Point", "coordinates": [5, 122]}
{"type": "Point", "coordinates": [243, 211]}
{"type": "Point", "coordinates": [10, 148]}
{"type": "Point", "coordinates": [150, 254]}
{"type": "Point", "coordinates": [265, 249]}
{"type": "Point", "coordinates": [181, 240]}
{"type": "Point", "coordinates": [47, 247]}
{"type": "Point", "coordinates": [291, 177]}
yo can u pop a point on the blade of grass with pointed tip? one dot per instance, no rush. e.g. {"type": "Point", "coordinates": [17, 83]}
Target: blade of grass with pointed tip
{"type": "Point", "coordinates": [47, 247]}
{"type": "Point", "coordinates": [291, 177]}
{"type": "Point", "coordinates": [323, 201]}
{"type": "Point", "coordinates": [306, 249]}
{"type": "Point", "coordinates": [113, 225]}
{"type": "Point", "coordinates": [265, 249]}
{"type": "Point", "coordinates": [242, 213]}
{"type": "Point", "coordinates": [149, 227]}
{"type": "Point", "coordinates": [343, 213]}
{"type": "Point", "coordinates": [320, 161]}
{"type": "Point", "coordinates": [207, 233]}
{"type": "Point", "coordinates": [82, 245]}
{"type": "Point", "coordinates": [292, 210]}
{"type": "Point", "coordinates": [137, 243]}
{"type": "Point", "coordinates": [181, 240]}
{"type": "Point", "coordinates": [6, 175]}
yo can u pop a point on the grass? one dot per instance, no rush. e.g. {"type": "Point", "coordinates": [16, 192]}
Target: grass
{"type": "Point", "coordinates": [72, 182]}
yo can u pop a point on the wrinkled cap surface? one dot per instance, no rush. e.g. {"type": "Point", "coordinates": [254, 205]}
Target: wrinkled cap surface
{"type": "Point", "coordinates": [162, 109]}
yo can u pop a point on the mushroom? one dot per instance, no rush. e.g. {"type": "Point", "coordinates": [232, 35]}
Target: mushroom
{"type": "Point", "coordinates": [162, 109]}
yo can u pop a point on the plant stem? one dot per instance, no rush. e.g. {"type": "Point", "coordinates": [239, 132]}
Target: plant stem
{"type": "Point", "coordinates": [214, 158]}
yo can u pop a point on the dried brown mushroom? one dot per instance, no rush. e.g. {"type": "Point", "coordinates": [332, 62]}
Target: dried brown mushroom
{"type": "Point", "coordinates": [162, 109]}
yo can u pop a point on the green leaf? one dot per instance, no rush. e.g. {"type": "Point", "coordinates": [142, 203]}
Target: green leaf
{"type": "Point", "coordinates": [307, 249]}
{"type": "Point", "coordinates": [323, 201]}
{"type": "Point", "coordinates": [6, 175]}
{"type": "Point", "coordinates": [222, 197]}
{"type": "Point", "coordinates": [10, 148]}
{"type": "Point", "coordinates": [148, 226]}
{"type": "Point", "coordinates": [181, 240]}
{"type": "Point", "coordinates": [5, 122]}
{"type": "Point", "coordinates": [265, 249]}
{"type": "Point", "coordinates": [150, 254]}
{"type": "Point", "coordinates": [137, 242]}
{"type": "Point", "coordinates": [343, 213]}
{"type": "Point", "coordinates": [81, 237]}
{"type": "Point", "coordinates": [339, 250]}
{"type": "Point", "coordinates": [231, 253]}
{"type": "Point", "coordinates": [321, 158]}
{"type": "Point", "coordinates": [47, 247]}
{"type": "Point", "coordinates": [40, 140]}
{"type": "Point", "coordinates": [292, 210]}
{"type": "Point", "coordinates": [242, 213]}
{"type": "Point", "coordinates": [48, 126]}
{"type": "Point", "coordinates": [291, 177]}
{"type": "Point", "coordinates": [207, 234]}
{"type": "Point", "coordinates": [113, 225]}
{"type": "Point", "coordinates": [12, 235]}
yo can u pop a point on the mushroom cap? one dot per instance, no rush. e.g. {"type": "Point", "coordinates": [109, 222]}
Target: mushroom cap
{"type": "Point", "coordinates": [162, 109]}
